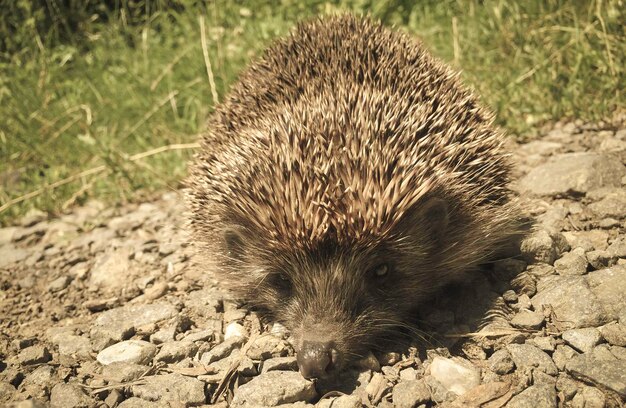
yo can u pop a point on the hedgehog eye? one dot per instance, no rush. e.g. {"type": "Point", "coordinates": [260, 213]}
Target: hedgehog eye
{"type": "Point", "coordinates": [380, 271]}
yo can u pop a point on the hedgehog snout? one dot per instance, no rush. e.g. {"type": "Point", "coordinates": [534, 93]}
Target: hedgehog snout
{"type": "Point", "coordinates": [317, 359]}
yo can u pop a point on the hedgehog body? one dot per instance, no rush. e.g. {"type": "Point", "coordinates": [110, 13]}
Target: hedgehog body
{"type": "Point", "coordinates": [347, 177]}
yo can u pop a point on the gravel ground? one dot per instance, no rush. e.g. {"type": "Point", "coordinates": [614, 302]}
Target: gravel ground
{"type": "Point", "coordinates": [106, 307]}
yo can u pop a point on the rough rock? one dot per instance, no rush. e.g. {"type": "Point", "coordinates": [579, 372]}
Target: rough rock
{"type": "Point", "coordinates": [611, 206]}
{"type": "Point", "coordinates": [221, 350]}
{"type": "Point", "coordinates": [582, 339]}
{"type": "Point", "coordinates": [205, 302]}
{"type": "Point", "coordinates": [566, 386]}
{"type": "Point", "coordinates": [501, 362]}
{"type": "Point", "coordinates": [408, 373]}
{"type": "Point", "coordinates": [274, 388]}
{"type": "Point", "coordinates": [119, 324]}
{"type": "Point", "coordinates": [111, 269]}
{"type": "Point", "coordinates": [617, 249]}
{"type": "Point", "coordinates": [377, 387]}
{"type": "Point", "coordinates": [38, 383]}
{"type": "Point", "coordinates": [536, 396]}
{"type": "Point", "coordinates": [129, 351]}
{"type": "Point", "coordinates": [573, 301]}
{"type": "Point", "coordinates": [614, 333]}
{"type": "Point", "coordinates": [609, 286]}
{"type": "Point", "coordinates": [344, 401]}
{"type": "Point", "coordinates": [589, 397]}
{"type": "Point", "coordinates": [288, 363]}
{"type": "Point", "coordinates": [541, 147]}
{"type": "Point", "coordinates": [234, 315]}
{"type": "Point", "coordinates": [540, 247]}
{"type": "Point", "coordinates": [600, 259]}
{"type": "Point", "coordinates": [114, 398]}
{"type": "Point", "coordinates": [587, 240]}
{"type": "Point", "coordinates": [438, 393]}
{"type": "Point", "coordinates": [409, 394]}
{"type": "Point", "coordinates": [482, 395]}
{"type": "Point", "coordinates": [9, 255]}
{"type": "Point", "coordinates": [156, 291]}
{"type": "Point", "coordinates": [562, 355]}
{"type": "Point", "coordinates": [572, 263]}
{"type": "Point", "coordinates": [176, 351]}
{"type": "Point", "coordinates": [70, 396]}
{"type": "Point", "coordinates": [200, 335]}
{"type": "Point", "coordinates": [59, 283]}
{"type": "Point", "coordinates": [6, 392]}
{"type": "Point", "coordinates": [119, 372]}
{"type": "Point", "coordinates": [268, 346]}
{"type": "Point", "coordinates": [34, 355]}
{"type": "Point", "coordinates": [171, 387]}
{"type": "Point", "coordinates": [526, 355]}
{"type": "Point", "coordinates": [527, 320]}
{"type": "Point", "coordinates": [164, 335]}
{"type": "Point", "coordinates": [74, 346]}
{"type": "Point", "coordinates": [604, 372]}
{"type": "Point", "coordinates": [246, 367]}
{"type": "Point", "coordinates": [619, 352]}
{"type": "Point", "coordinates": [573, 174]}
{"type": "Point", "coordinates": [6, 235]}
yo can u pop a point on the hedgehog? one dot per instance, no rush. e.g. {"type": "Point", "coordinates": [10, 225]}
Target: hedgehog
{"type": "Point", "coordinates": [346, 178]}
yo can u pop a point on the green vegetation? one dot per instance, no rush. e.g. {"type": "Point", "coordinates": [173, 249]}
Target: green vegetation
{"type": "Point", "coordinates": [88, 84]}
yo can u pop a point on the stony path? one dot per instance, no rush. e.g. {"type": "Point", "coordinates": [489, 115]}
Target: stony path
{"type": "Point", "coordinates": [106, 307]}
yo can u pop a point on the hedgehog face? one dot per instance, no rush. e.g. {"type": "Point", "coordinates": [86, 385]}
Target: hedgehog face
{"type": "Point", "coordinates": [340, 301]}
{"type": "Point", "coordinates": [336, 305]}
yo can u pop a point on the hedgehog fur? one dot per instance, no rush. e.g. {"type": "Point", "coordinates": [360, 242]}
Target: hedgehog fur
{"type": "Point", "coordinates": [345, 179]}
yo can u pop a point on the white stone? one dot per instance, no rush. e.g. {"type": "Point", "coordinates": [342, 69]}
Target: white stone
{"type": "Point", "coordinates": [454, 376]}
{"type": "Point", "coordinates": [234, 329]}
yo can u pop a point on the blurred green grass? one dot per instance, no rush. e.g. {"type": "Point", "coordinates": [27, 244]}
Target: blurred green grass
{"type": "Point", "coordinates": [88, 84]}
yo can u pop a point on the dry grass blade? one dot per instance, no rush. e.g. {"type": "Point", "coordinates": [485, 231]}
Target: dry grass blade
{"type": "Point", "coordinates": [207, 60]}
{"type": "Point", "coordinates": [138, 381]}
{"type": "Point", "coordinates": [95, 170]}
{"type": "Point", "coordinates": [490, 333]}
{"type": "Point", "coordinates": [191, 371]}
{"type": "Point", "coordinates": [550, 59]}
{"type": "Point", "coordinates": [455, 41]}
{"type": "Point", "coordinates": [605, 38]}
{"type": "Point", "coordinates": [168, 68]}
{"type": "Point", "coordinates": [232, 370]}
{"type": "Point", "coordinates": [82, 190]}
{"type": "Point", "coordinates": [52, 186]}
{"type": "Point", "coordinates": [98, 390]}
{"type": "Point", "coordinates": [148, 115]}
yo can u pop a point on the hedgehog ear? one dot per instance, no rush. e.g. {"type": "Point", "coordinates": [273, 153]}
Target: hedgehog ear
{"type": "Point", "coordinates": [234, 242]}
{"type": "Point", "coordinates": [427, 219]}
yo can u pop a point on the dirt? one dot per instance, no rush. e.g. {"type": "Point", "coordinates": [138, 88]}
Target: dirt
{"type": "Point", "coordinates": [107, 307]}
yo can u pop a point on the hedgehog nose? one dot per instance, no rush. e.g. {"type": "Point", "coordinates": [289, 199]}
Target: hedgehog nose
{"type": "Point", "coordinates": [315, 359]}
